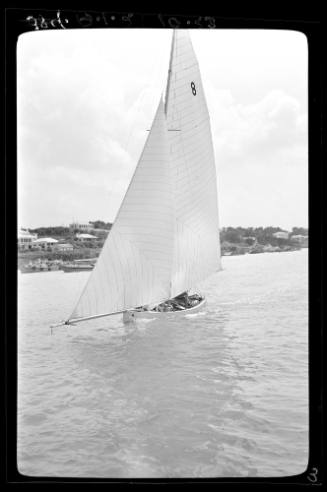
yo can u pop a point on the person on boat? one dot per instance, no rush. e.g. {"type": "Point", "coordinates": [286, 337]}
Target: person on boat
{"type": "Point", "coordinates": [162, 307]}
{"type": "Point", "coordinates": [183, 299]}
{"type": "Point", "coordinates": [177, 306]}
{"type": "Point", "coordinates": [168, 306]}
{"type": "Point", "coordinates": [194, 301]}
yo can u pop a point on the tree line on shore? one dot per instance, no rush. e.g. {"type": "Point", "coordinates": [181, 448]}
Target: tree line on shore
{"type": "Point", "coordinates": [234, 240]}
{"type": "Point", "coordinates": [62, 232]}
{"type": "Point", "coordinates": [240, 240]}
{"type": "Point", "coordinates": [263, 235]}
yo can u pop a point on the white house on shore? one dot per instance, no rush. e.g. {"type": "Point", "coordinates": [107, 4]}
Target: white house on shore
{"type": "Point", "coordinates": [44, 243]}
{"type": "Point", "coordinates": [25, 239]}
{"type": "Point", "coordinates": [28, 241]}
{"type": "Point", "coordinates": [281, 234]}
{"type": "Point", "coordinates": [300, 239]}
{"type": "Point", "coordinates": [63, 247]}
{"type": "Point", "coordinates": [80, 226]}
{"type": "Point", "coordinates": [86, 237]}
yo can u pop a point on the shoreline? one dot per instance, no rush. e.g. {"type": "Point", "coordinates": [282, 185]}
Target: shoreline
{"type": "Point", "coordinates": [284, 250]}
{"type": "Point", "coordinates": [265, 252]}
{"type": "Point", "coordinates": [55, 264]}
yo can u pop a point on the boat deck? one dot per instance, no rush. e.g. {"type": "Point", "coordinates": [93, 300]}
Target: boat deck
{"type": "Point", "coordinates": [135, 314]}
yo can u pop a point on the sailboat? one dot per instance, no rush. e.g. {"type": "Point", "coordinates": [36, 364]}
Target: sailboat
{"type": "Point", "coordinates": [165, 238]}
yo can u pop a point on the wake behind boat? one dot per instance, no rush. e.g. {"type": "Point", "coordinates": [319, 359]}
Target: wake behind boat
{"type": "Point", "coordinates": [165, 238]}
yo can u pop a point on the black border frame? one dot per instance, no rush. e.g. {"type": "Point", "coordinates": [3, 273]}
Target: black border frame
{"type": "Point", "coordinates": [16, 23]}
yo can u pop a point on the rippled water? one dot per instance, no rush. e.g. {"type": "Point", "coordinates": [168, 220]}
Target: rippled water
{"type": "Point", "coordinates": [221, 393]}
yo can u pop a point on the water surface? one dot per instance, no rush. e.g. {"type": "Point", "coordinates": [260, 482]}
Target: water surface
{"type": "Point", "coordinates": [220, 393]}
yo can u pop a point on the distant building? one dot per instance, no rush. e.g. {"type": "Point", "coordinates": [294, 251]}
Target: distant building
{"type": "Point", "coordinates": [85, 237]}
{"type": "Point", "coordinates": [44, 243]}
{"type": "Point", "coordinates": [80, 226]}
{"type": "Point", "coordinates": [281, 234]}
{"type": "Point", "coordinates": [25, 239]}
{"type": "Point", "coordinates": [100, 231]}
{"type": "Point", "coordinates": [301, 240]}
{"type": "Point", "coordinates": [63, 247]}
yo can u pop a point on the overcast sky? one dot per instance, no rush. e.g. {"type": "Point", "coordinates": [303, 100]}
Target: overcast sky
{"type": "Point", "coordinates": [87, 97]}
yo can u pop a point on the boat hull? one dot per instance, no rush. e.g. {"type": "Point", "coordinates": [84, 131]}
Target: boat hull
{"type": "Point", "coordinates": [73, 268]}
{"type": "Point", "coordinates": [132, 315]}
{"type": "Point", "coordinates": [37, 269]}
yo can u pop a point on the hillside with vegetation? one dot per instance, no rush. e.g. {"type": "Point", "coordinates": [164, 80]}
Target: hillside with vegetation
{"type": "Point", "coordinates": [66, 233]}
{"type": "Point", "coordinates": [241, 240]}
{"type": "Point", "coordinates": [234, 241]}
{"type": "Point", "coordinates": [81, 250]}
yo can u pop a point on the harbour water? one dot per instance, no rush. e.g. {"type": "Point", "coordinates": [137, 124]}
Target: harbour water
{"type": "Point", "coordinates": [223, 393]}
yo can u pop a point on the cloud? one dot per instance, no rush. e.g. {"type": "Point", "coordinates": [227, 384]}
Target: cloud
{"type": "Point", "coordinates": [267, 127]}
{"type": "Point", "coordinates": [85, 104]}
{"type": "Point", "coordinates": [261, 154]}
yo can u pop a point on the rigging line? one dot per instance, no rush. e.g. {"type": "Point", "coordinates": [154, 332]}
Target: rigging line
{"type": "Point", "coordinates": [133, 120]}
{"type": "Point", "coordinates": [150, 91]}
{"type": "Point", "coordinates": [170, 70]}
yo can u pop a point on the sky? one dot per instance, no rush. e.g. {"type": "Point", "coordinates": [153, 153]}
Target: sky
{"type": "Point", "coordinates": [86, 98]}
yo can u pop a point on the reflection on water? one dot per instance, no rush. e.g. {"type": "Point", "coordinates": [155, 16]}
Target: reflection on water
{"type": "Point", "coordinates": [222, 393]}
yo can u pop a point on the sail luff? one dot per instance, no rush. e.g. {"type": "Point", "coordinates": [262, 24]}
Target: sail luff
{"type": "Point", "coordinates": [169, 70]}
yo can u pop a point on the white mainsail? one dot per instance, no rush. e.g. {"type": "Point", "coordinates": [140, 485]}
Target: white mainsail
{"type": "Point", "coordinates": [165, 238]}
{"type": "Point", "coordinates": [196, 237]}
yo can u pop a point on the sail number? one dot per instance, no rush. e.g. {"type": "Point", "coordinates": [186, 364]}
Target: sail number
{"type": "Point", "coordinates": [193, 88]}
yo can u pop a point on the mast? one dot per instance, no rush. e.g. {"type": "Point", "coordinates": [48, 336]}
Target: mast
{"type": "Point", "coordinates": [170, 69]}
